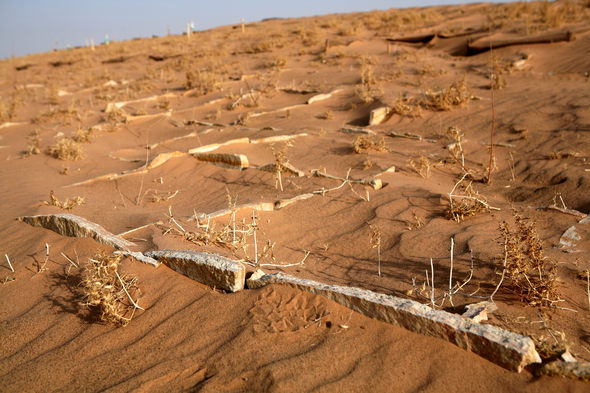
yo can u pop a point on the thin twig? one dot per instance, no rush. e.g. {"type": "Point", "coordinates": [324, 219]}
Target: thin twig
{"type": "Point", "coordinates": [46, 258]}
{"type": "Point", "coordinates": [128, 295]}
{"type": "Point", "coordinates": [173, 220]}
{"type": "Point", "coordinates": [451, 273]}
{"type": "Point", "coordinates": [503, 270]}
{"type": "Point", "coordinates": [493, 120]}
{"type": "Point", "coordinates": [10, 265]}
{"type": "Point", "coordinates": [478, 200]}
{"type": "Point", "coordinates": [432, 287]}
{"type": "Point", "coordinates": [588, 288]}
{"type": "Point", "coordinates": [69, 260]}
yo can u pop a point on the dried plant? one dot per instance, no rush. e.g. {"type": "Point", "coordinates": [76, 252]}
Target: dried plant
{"type": "Point", "coordinates": [363, 143]}
{"type": "Point", "coordinates": [65, 148]}
{"type": "Point", "coordinates": [107, 292]}
{"type": "Point", "coordinates": [280, 157]}
{"type": "Point", "coordinates": [276, 62]}
{"type": "Point", "coordinates": [422, 166]}
{"type": "Point", "coordinates": [531, 275]}
{"type": "Point", "coordinates": [33, 144]}
{"type": "Point", "coordinates": [68, 204]}
{"type": "Point", "coordinates": [202, 82]}
{"type": "Point", "coordinates": [83, 135]}
{"type": "Point", "coordinates": [369, 88]}
{"type": "Point", "coordinates": [468, 204]}
{"type": "Point", "coordinates": [446, 99]}
{"type": "Point", "coordinates": [375, 240]}
{"type": "Point", "coordinates": [406, 107]}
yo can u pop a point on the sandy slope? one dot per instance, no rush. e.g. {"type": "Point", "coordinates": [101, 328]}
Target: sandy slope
{"type": "Point", "coordinates": [193, 338]}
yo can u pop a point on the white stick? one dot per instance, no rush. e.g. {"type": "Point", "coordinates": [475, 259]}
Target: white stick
{"type": "Point", "coordinates": [10, 265]}
{"type": "Point", "coordinates": [432, 280]}
{"type": "Point", "coordinates": [255, 244]}
{"type": "Point", "coordinates": [503, 270]}
{"type": "Point", "coordinates": [451, 273]}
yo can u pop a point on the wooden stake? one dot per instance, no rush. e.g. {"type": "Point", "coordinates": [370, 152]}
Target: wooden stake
{"type": "Point", "coordinates": [243, 26]}
{"type": "Point", "coordinates": [188, 31]}
{"type": "Point", "coordinates": [389, 48]}
{"type": "Point", "coordinates": [327, 45]}
{"type": "Point", "coordinates": [92, 44]}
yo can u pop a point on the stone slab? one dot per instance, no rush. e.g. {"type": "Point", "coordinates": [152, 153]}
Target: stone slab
{"type": "Point", "coordinates": [209, 269]}
{"type": "Point", "coordinates": [75, 226]}
{"type": "Point", "coordinates": [507, 349]}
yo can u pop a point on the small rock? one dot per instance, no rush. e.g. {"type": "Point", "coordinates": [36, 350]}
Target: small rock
{"type": "Point", "coordinates": [379, 115]}
{"type": "Point", "coordinates": [478, 312]}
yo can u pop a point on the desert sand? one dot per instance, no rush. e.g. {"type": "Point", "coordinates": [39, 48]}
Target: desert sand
{"type": "Point", "coordinates": [133, 134]}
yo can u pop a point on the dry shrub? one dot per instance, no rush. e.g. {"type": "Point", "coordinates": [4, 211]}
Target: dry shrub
{"type": "Point", "coordinates": [65, 148]}
{"type": "Point", "coordinates": [277, 62]}
{"type": "Point", "coordinates": [466, 205]}
{"type": "Point", "coordinates": [406, 107]}
{"type": "Point", "coordinates": [531, 275]}
{"type": "Point", "coordinates": [202, 82]}
{"type": "Point", "coordinates": [115, 116]}
{"type": "Point", "coordinates": [363, 143]}
{"type": "Point", "coordinates": [106, 291]}
{"type": "Point", "coordinates": [68, 204]}
{"type": "Point", "coordinates": [64, 115]}
{"type": "Point", "coordinates": [369, 87]}
{"type": "Point", "coordinates": [33, 144]}
{"type": "Point", "coordinates": [422, 166]}
{"type": "Point", "coordinates": [446, 99]}
{"type": "Point", "coordinates": [280, 157]}
{"type": "Point", "coordinates": [83, 136]}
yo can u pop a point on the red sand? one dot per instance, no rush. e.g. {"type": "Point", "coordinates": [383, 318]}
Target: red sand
{"type": "Point", "coordinates": [193, 338]}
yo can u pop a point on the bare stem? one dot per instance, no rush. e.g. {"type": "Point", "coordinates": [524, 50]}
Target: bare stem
{"type": "Point", "coordinates": [493, 121]}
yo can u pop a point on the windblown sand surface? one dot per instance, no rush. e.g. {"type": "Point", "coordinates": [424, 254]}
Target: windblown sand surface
{"type": "Point", "coordinates": [225, 86]}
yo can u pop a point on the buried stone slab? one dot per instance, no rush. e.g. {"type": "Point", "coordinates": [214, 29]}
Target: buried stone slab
{"type": "Point", "coordinates": [209, 269]}
{"type": "Point", "coordinates": [507, 349]}
{"type": "Point", "coordinates": [75, 226]}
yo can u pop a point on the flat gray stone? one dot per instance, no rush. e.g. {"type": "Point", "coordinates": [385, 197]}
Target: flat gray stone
{"type": "Point", "coordinates": [507, 349]}
{"type": "Point", "coordinates": [76, 226]}
{"type": "Point", "coordinates": [209, 269]}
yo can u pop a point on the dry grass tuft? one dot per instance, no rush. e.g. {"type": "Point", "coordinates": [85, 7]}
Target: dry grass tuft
{"type": "Point", "coordinates": [107, 292]}
{"type": "Point", "coordinates": [466, 205]}
{"type": "Point", "coordinates": [369, 88]}
{"type": "Point", "coordinates": [68, 204]}
{"type": "Point", "coordinates": [422, 167]}
{"type": "Point", "coordinates": [446, 99]}
{"type": "Point", "coordinates": [280, 157]}
{"type": "Point", "coordinates": [363, 143]}
{"type": "Point", "coordinates": [202, 82]}
{"type": "Point", "coordinates": [405, 107]}
{"type": "Point", "coordinates": [33, 144]}
{"type": "Point", "coordinates": [65, 148]}
{"type": "Point", "coordinates": [531, 275]}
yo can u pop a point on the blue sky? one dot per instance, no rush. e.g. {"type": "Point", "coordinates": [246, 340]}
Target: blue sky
{"type": "Point", "coordinates": [31, 26]}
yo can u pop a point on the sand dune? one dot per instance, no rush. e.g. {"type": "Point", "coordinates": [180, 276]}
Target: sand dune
{"type": "Point", "coordinates": [278, 97]}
